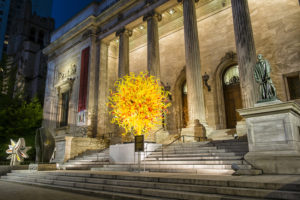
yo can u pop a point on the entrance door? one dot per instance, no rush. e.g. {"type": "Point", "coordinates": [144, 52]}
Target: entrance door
{"type": "Point", "coordinates": [185, 115]}
{"type": "Point", "coordinates": [232, 96]}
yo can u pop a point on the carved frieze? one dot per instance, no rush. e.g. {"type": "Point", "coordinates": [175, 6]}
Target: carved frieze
{"type": "Point", "coordinates": [66, 78]}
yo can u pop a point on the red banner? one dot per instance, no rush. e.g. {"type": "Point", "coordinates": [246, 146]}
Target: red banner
{"type": "Point", "coordinates": [85, 54]}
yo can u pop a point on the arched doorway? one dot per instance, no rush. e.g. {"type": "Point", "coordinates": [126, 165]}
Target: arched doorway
{"type": "Point", "coordinates": [232, 95]}
{"type": "Point", "coordinates": [185, 115]}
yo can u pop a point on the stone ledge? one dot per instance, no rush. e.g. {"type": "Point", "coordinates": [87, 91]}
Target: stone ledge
{"type": "Point", "coordinates": [270, 109]}
{"type": "Point", "coordinates": [6, 168]}
{"type": "Point", "coordinates": [275, 164]}
{"type": "Point", "coordinates": [42, 167]}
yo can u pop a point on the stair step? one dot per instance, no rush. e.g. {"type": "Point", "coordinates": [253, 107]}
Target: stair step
{"type": "Point", "coordinates": [79, 166]}
{"type": "Point", "coordinates": [198, 151]}
{"type": "Point", "coordinates": [202, 180]}
{"type": "Point", "coordinates": [159, 154]}
{"type": "Point", "coordinates": [167, 170]}
{"type": "Point", "coordinates": [164, 187]}
{"type": "Point", "coordinates": [194, 162]}
{"type": "Point", "coordinates": [181, 166]}
{"type": "Point", "coordinates": [92, 158]}
{"type": "Point", "coordinates": [84, 162]}
{"type": "Point", "coordinates": [202, 158]}
{"type": "Point", "coordinates": [102, 194]}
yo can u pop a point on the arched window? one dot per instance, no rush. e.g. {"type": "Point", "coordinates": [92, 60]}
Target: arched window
{"type": "Point", "coordinates": [231, 75]}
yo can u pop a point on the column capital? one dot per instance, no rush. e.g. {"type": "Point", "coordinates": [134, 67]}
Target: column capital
{"type": "Point", "coordinates": [124, 31]}
{"type": "Point", "coordinates": [88, 33]}
{"type": "Point", "coordinates": [152, 14]}
{"type": "Point", "coordinates": [179, 1]}
{"type": "Point", "coordinates": [103, 42]}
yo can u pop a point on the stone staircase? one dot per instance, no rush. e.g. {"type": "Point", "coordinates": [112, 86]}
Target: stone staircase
{"type": "Point", "coordinates": [216, 157]}
{"type": "Point", "coordinates": [145, 186]}
{"type": "Point", "coordinates": [87, 160]}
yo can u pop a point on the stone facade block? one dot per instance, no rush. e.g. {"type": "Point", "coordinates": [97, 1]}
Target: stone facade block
{"type": "Point", "coordinates": [274, 137]}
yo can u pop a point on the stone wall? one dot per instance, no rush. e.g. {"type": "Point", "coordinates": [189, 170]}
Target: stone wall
{"type": "Point", "coordinates": [67, 58]}
{"type": "Point", "coordinates": [276, 30]}
{"type": "Point", "coordinates": [76, 145]}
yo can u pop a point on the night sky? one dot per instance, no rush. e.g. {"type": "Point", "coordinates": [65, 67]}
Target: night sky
{"type": "Point", "coordinates": [63, 10]}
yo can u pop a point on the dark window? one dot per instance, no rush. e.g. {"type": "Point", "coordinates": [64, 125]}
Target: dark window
{"type": "Point", "coordinates": [41, 38]}
{"type": "Point", "coordinates": [32, 35]}
{"type": "Point", "coordinates": [1, 12]}
{"type": "Point", "coordinates": [294, 87]}
{"type": "Point", "coordinates": [64, 109]}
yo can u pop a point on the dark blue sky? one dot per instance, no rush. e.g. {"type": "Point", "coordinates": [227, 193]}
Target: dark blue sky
{"type": "Point", "coordinates": [63, 10]}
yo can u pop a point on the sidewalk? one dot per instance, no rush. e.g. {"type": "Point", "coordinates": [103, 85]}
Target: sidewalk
{"type": "Point", "coordinates": [15, 191]}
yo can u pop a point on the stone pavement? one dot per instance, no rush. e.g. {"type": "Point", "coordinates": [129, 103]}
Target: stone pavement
{"type": "Point", "coordinates": [16, 191]}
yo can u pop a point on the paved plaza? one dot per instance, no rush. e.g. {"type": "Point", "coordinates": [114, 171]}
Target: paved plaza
{"type": "Point", "coordinates": [18, 191]}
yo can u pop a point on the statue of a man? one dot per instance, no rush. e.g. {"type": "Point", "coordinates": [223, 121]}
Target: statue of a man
{"type": "Point", "coordinates": [267, 91]}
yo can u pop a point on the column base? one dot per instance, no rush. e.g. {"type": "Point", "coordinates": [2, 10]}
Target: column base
{"type": "Point", "coordinates": [195, 132]}
{"type": "Point", "coordinates": [241, 128]}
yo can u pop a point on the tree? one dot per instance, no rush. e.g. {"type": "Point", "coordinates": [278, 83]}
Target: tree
{"type": "Point", "coordinates": [18, 118]}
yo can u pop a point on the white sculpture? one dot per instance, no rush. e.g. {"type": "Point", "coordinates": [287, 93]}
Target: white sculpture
{"type": "Point", "coordinates": [17, 151]}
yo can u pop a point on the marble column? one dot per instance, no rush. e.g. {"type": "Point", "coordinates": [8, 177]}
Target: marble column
{"type": "Point", "coordinates": [103, 91]}
{"type": "Point", "coordinates": [123, 35]}
{"type": "Point", "coordinates": [246, 53]}
{"type": "Point", "coordinates": [153, 60]}
{"type": "Point", "coordinates": [93, 81]}
{"type": "Point", "coordinates": [196, 108]}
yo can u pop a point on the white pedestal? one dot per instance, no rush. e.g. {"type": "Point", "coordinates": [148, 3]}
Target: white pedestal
{"type": "Point", "coordinates": [274, 137]}
{"type": "Point", "coordinates": [124, 153]}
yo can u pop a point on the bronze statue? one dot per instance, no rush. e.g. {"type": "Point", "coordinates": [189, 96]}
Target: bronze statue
{"type": "Point", "coordinates": [44, 145]}
{"type": "Point", "coordinates": [267, 91]}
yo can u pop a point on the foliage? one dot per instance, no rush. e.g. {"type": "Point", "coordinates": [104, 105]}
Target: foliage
{"type": "Point", "coordinates": [18, 118]}
{"type": "Point", "coordinates": [139, 103]}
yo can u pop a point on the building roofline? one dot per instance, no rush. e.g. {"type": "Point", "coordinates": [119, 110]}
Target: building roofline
{"type": "Point", "coordinates": [79, 14]}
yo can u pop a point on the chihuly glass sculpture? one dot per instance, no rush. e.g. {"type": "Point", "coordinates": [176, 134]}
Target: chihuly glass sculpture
{"type": "Point", "coordinates": [138, 103]}
{"type": "Point", "coordinates": [17, 151]}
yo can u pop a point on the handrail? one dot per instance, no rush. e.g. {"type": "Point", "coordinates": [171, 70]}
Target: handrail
{"type": "Point", "coordinates": [181, 136]}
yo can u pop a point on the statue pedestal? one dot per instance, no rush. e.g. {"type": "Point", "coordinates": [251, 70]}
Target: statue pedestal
{"type": "Point", "coordinates": [274, 137]}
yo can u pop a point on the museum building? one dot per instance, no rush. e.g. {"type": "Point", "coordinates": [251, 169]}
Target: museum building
{"type": "Point", "coordinates": [203, 51]}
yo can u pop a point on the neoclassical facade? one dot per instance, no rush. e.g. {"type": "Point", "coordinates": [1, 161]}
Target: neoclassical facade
{"type": "Point", "coordinates": [203, 51]}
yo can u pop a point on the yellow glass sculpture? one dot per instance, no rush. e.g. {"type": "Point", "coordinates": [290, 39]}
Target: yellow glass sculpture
{"type": "Point", "coordinates": [138, 103]}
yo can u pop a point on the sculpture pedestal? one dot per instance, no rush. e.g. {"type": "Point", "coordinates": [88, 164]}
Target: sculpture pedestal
{"type": "Point", "coordinates": [125, 154]}
{"type": "Point", "coordinates": [274, 137]}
